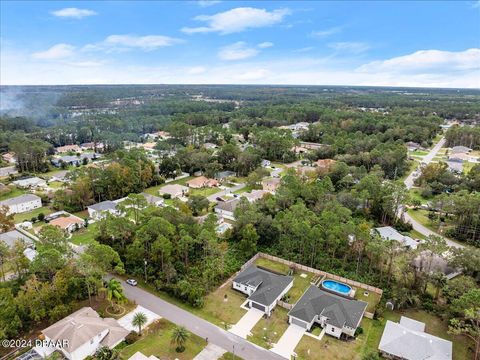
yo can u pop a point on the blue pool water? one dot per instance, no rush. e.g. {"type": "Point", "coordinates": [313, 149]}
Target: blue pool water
{"type": "Point", "coordinates": [337, 286]}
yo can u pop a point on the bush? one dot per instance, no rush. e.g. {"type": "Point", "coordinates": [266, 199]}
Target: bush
{"type": "Point", "coordinates": [359, 331]}
{"type": "Point", "coordinates": [33, 219]}
{"type": "Point", "coordinates": [167, 196]}
{"type": "Point", "coordinates": [41, 217]}
{"type": "Point", "coordinates": [132, 337]}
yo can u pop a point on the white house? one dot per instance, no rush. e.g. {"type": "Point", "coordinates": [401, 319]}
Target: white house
{"type": "Point", "coordinates": [30, 183]}
{"type": "Point", "coordinates": [153, 200]}
{"type": "Point", "coordinates": [336, 314]}
{"type": "Point", "coordinates": [408, 340]}
{"type": "Point", "coordinates": [80, 335]}
{"type": "Point", "coordinates": [264, 288]}
{"type": "Point", "coordinates": [389, 233]}
{"type": "Point", "coordinates": [174, 190]}
{"type": "Point", "coordinates": [22, 203]}
{"type": "Point", "coordinates": [100, 210]}
{"type": "Point", "coordinates": [226, 209]}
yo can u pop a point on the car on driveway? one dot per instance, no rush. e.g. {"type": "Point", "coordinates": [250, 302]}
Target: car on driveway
{"type": "Point", "coordinates": [132, 282]}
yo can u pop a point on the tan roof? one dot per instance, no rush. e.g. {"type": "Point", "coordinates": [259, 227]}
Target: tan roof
{"type": "Point", "coordinates": [272, 181]}
{"type": "Point", "coordinates": [68, 148]}
{"type": "Point", "coordinates": [82, 326]}
{"type": "Point", "coordinates": [65, 222]}
{"type": "Point", "coordinates": [325, 163]}
{"type": "Point", "coordinates": [202, 181]}
{"type": "Point", "coordinates": [139, 356]}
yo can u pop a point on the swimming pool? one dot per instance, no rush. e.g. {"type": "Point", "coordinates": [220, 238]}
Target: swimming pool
{"type": "Point", "coordinates": [337, 287]}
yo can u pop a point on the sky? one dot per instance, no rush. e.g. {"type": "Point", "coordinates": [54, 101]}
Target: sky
{"type": "Point", "coordinates": [371, 43]}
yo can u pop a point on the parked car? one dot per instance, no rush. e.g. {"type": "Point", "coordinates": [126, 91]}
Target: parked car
{"type": "Point", "coordinates": [132, 282]}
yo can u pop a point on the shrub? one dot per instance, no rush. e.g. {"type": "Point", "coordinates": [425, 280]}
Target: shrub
{"type": "Point", "coordinates": [167, 196]}
{"type": "Point", "coordinates": [41, 217]}
{"type": "Point", "coordinates": [132, 337]}
{"type": "Point", "coordinates": [359, 331]}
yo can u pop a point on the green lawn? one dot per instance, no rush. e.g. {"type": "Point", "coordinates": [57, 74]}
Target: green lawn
{"type": "Point", "coordinates": [156, 341]}
{"type": "Point", "coordinates": [268, 331]}
{"type": "Point", "coordinates": [28, 215]}
{"type": "Point", "coordinates": [229, 356]}
{"type": "Point", "coordinates": [204, 191]}
{"type": "Point", "coordinates": [467, 166]}
{"type": "Point", "coordinates": [272, 265]}
{"type": "Point", "coordinates": [85, 236]}
{"type": "Point", "coordinates": [244, 189]}
{"type": "Point", "coordinates": [419, 152]}
{"type": "Point", "coordinates": [416, 194]}
{"type": "Point", "coordinates": [55, 184]}
{"type": "Point", "coordinates": [11, 194]}
{"type": "Point", "coordinates": [331, 348]}
{"type": "Point", "coordinates": [372, 299]}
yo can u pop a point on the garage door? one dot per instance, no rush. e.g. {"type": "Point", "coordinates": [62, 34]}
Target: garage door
{"type": "Point", "coordinates": [299, 322]}
{"type": "Point", "coordinates": [258, 306]}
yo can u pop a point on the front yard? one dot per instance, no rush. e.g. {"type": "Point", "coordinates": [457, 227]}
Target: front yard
{"type": "Point", "coordinates": [156, 340]}
{"type": "Point", "coordinates": [268, 331]}
{"type": "Point", "coordinates": [27, 216]}
{"type": "Point", "coordinates": [85, 236]}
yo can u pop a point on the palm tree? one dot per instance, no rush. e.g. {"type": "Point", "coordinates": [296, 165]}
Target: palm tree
{"type": "Point", "coordinates": [438, 280]}
{"type": "Point", "coordinates": [115, 293]}
{"type": "Point", "coordinates": [139, 319]}
{"type": "Point", "coordinates": [179, 337]}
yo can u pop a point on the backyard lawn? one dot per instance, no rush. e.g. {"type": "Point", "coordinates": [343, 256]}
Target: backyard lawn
{"type": "Point", "coordinates": [372, 299]}
{"type": "Point", "coordinates": [18, 218]}
{"type": "Point", "coordinates": [85, 236]}
{"type": "Point", "coordinates": [204, 191]}
{"type": "Point", "coordinates": [156, 341]}
{"type": "Point", "coordinates": [268, 331]}
{"type": "Point", "coordinates": [13, 193]}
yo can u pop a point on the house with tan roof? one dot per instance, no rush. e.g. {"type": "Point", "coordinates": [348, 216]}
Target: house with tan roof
{"type": "Point", "coordinates": [67, 148]}
{"type": "Point", "coordinates": [68, 223]}
{"type": "Point", "coordinates": [81, 334]}
{"type": "Point", "coordinates": [174, 190]}
{"type": "Point", "coordinates": [271, 184]}
{"type": "Point", "coordinates": [201, 182]}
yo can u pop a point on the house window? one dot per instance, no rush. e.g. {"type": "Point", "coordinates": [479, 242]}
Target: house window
{"type": "Point", "coordinates": [333, 329]}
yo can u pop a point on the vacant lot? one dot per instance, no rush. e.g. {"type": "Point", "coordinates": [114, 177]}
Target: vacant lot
{"type": "Point", "coordinates": [156, 341]}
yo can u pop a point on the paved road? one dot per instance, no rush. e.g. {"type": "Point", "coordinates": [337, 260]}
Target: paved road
{"type": "Point", "coordinates": [227, 191]}
{"type": "Point", "coordinates": [409, 184]}
{"type": "Point", "coordinates": [200, 327]}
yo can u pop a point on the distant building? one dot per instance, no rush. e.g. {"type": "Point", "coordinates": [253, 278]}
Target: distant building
{"type": "Point", "coordinates": [8, 170]}
{"type": "Point", "coordinates": [460, 149]}
{"type": "Point", "coordinates": [271, 184]}
{"type": "Point", "coordinates": [30, 183]}
{"type": "Point", "coordinates": [459, 156]}
{"type": "Point", "coordinates": [255, 195]}
{"type": "Point", "coordinates": [92, 146]}
{"type": "Point", "coordinates": [209, 146]}
{"type": "Point", "coordinates": [68, 223]}
{"type": "Point", "coordinates": [325, 165]}
{"type": "Point", "coordinates": [22, 203]}
{"type": "Point", "coordinates": [100, 210]}
{"type": "Point", "coordinates": [389, 233]}
{"type": "Point", "coordinates": [82, 333]}
{"type": "Point", "coordinates": [223, 175]}
{"type": "Point", "coordinates": [9, 157]}
{"type": "Point", "coordinates": [11, 237]}
{"type": "Point", "coordinates": [201, 182]}
{"type": "Point", "coordinates": [226, 208]}
{"type": "Point", "coordinates": [455, 165]}
{"type": "Point", "coordinates": [73, 160]}
{"type": "Point", "coordinates": [408, 340]}
{"type": "Point", "coordinates": [68, 148]}
{"type": "Point", "coordinates": [153, 200]}
{"type": "Point", "coordinates": [174, 190]}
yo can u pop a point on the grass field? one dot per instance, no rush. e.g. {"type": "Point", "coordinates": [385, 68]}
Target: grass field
{"type": "Point", "coordinates": [268, 331]}
{"type": "Point", "coordinates": [85, 236]}
{"type": "Point", "coordinates": [204, 191]}
{"type": "Point", "coordinates": [28, 215]}
{"type": "Point", "coordinates": [13, 193]}
{"type": "Point", "coordinates": [156, 341]}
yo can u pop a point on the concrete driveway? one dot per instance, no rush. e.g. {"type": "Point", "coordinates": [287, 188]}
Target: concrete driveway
{"type": "Point", "coordinates": [288, 342]}
{"type": "Point", "coordinates": [247, 322]}
{"type": "Point", "coordinates": [126, 321]}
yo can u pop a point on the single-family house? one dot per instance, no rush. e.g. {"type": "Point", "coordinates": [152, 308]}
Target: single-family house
{"type": "Point", "coordinates": [153, 200]}
{"type": "Point", "coordinates": [68, 223]}
{"type": "Point", "coordinates": [264, 288]}
{"type": "Point", "coordinates": [271, 184]}
{"type": "Point", "coordinates": [11, 237]}
{"type": "Point", "coordinates": [22, 203]}
{"type": "Point", "coordinates": [407, 340]}
{"type": "Point", "coordinates": [459, 156]}
{"type": "Point", "coordinates": [8, 170]}
{"type": "Point", "coordinates": [389, 233]}
{"type": "Point", "coordinates": [338, 315]}
{"type": "Point", "coordinates": [209, 146]}
{"type": "Point", "coordinates": [460, 150]}
{"type": "Point", "coordinates": [30, 183]}
{"type": "Point", "coordinates": [99, 211]}
{"type": "Point", "coordinates": [429, 262]}
{"type": "Point", "coordinates": [92, 146]}
{"type": "Point", "coordinates": [412, 146]}
{"type": "Point", "coordinates": [325, 164]}
{"type": "Point", "coordinates": [174, 190]}
{"type": "Point", "coordinates": [455, 165]}
{"type": "Point", "coordinates": [61, 176]}
{"type": "Point", "coordinates": [255, 195]}
{"type": "Point", "coordinates": [227, 208]}
{"type": "Point", "coordinates": [68, 148]}
{"type": "Point", "coordinates": [224, 175]}
{"type": "Point", "coordinates": [201, 182]}
{"type": "Point", "coordinates": [81, 334]}
{"type": "Point", "coordinates": [9, 157]}
{"type": "Point", "coordinates": [266, 163]}
{"type": "Point", "coordinates": [73, 160]}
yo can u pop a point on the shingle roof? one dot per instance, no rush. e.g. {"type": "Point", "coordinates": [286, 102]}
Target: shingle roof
{"type": "Point", "coordinates": [82, 326]}
{"type": "Point", "coordinates": [339, 311]}
{"type": "Point", "coordinates": [10, 237]}
{"type": "Point", "coordinates": [389, 233]}
{"type": "Point", "coordinates": [19, 200]}
{"type": "Point", "coordinates": [229, 205]}
{"type": "Point", "coordinates": [151, 199]}
{"type": "Point", "coordinates": [460, 149]}
{"type": "Point", "coordinates": [104, 206]}
{"type": "Point", "coordinates": [270, 285]}
{"type": "Point", "coordinates": [409, 344]}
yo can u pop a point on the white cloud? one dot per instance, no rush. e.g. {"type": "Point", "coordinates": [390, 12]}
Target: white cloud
{"type": "Point", "coordinates": [237, 20]}
{"type": "Point", "coordinates": [265, 45]}
{"type": "Point", "coordinates": [237, 51]}
{"type": "Point", "coordinates": [304, 49]}
{"type": "Point", "coordinates": [75, 13]}
{"type": "Point", "coordinates": [435, 61]}
{"type": "Point", "coordinates": [128, 42]}
{"type": "Point", "coordinates": [350, 46]}
{"type": "Point", "coordinates": [195, 70]}
{"type": "Point", "coordinates": [207, 3]}
{"type": "Point", "coordinates": [327, 32]}
{"type": "Point", "coordinates": [59, 51]}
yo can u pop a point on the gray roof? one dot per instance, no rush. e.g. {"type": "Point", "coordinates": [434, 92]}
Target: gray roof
{"type": "Point", "coordinates": [229, 205]}
{"type": "Point", "coordinates": [340, 311]}
{"type": "Point", "coordinates": [224, 174]}
{"type": "Point", "coordinates": [407, 342]}
{"type": "Point", "coordinates": [20, 200]}
{"type": "Point", "coordinates": [460, 149]}
{"type": "Point", "coordinates": [104, 206]}
{"type": "Point", "coordinates": [389, 233]}
{"type": "Point", "coordinates": [11, 237]}
{"type": "Point", "coordinates": [151, 199]}
{"type": "Point", "coordinates": [454, 165]}
{"type": "Point", "coordinates": [270, 285]}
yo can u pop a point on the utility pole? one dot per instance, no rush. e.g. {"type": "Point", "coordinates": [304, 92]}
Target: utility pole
{"type": "Point", "coordinates": [145, 263]}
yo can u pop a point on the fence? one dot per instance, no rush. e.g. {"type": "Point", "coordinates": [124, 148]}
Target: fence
{"type": "Point", "coordinates": [314, 271]}
{"type": "Point", "coordinates": [285, 305]}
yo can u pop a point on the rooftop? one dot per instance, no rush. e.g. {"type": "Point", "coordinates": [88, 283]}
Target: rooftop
{"type": "Point", "coordinates": [19, 200]}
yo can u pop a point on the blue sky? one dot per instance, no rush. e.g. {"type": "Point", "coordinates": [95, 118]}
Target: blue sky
{"type": "Point", "coordinates": [270, 42]}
